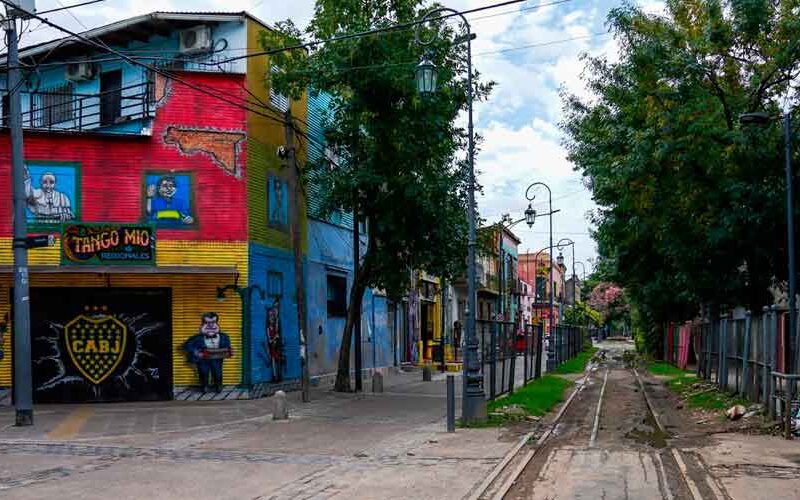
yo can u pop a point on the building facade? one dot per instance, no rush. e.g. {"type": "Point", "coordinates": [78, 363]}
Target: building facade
{"type": "Point", "coordinates": [171, 213]}
{"type": "Point", "coordinates": [534, 269]}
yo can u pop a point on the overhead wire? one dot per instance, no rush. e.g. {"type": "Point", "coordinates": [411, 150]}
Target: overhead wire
{"type": "Point", "coordinates": [101, 45]}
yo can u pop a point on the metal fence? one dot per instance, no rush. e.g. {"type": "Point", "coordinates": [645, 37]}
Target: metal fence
{"type": "Point", "coordinates": [744, 355]}
{"type": "Point", "coordinates": [510, 358]}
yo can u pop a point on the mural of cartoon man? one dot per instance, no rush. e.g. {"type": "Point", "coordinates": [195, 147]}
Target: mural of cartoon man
{"type": "Point", "coordinates": [207, 349]}
{"type": "Point", "coordinates": [47, 203]}
{"type": "Point", "coordinates": [163, 205]}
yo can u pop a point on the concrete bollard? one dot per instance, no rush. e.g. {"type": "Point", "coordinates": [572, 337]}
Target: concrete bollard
{"type": "Point", "coordinates": [281, 411]}
{"type": "Point", "coordinates": [426, 373]}
{"type": "Point", "coordinates": [451, 402]}
{"type": "Point", "coordinates": [377, 382]}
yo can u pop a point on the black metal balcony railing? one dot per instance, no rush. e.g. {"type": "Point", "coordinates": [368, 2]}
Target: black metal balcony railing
{"type": "Point", "coordinates": [66, 111]}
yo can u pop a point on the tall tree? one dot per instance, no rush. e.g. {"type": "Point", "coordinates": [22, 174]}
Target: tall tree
{"type": "Point", "coordinates": [691, 203]}
{"type": "Point", "coordinates": [397, 151]}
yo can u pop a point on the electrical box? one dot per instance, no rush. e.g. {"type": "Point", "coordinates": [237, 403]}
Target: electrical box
{"type": "Point", "coordinates": [22, 5]}
{"type": "Point", "coordinates": [195, 40]}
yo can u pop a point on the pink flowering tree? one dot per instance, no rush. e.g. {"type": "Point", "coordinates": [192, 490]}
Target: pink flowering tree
{"type": "Point", "coordinates": [609, 300]}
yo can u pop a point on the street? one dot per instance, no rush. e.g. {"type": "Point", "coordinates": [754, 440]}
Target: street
{"type": "Point", "coordinates": [390, 445]}
{"type": "Point", "coordinates": [607, 444]}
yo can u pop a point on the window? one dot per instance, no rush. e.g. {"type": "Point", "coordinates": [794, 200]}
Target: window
{"type": "Point", "coordinates": [274, 284]}
{"type": "Point", "coordinates": [278, 100]}
{"type": "Point", "coordinates": [54, 106]}
{"type": "Point", "coordinates": [337, 296]}
{"type": "Point", "coordinates": [110, 97]}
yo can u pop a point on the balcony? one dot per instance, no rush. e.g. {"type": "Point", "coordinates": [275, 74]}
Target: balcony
{"type": "Point", "coordinates": [61, 110]}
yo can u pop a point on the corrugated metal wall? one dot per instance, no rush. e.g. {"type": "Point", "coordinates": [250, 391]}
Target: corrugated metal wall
{"type": "Point", "coordinates": [280, 264]}
{"type": "Point", "coordinates": [318, 104]}
{"type": "Point", "coordinates": [192, 295]}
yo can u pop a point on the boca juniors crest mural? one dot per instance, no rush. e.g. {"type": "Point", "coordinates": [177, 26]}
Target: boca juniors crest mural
{"type": "Point", "coordinates": [101, 344]}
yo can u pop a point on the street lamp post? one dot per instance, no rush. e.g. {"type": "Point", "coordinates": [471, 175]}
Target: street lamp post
{"type": "Point", "coordinates": [583, 275]}
{"type": "Point", "coordinates": [759, 118]}
{"type": "Point", "coordinates": [473, 408]}
{"type": "Point", "coordinates": [530, 217]}
{"type": "Point", "coordinates": [563, 243]}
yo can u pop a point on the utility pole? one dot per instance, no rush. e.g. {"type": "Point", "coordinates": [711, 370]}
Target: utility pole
{"type": "Point", "coordinates": [357, 321]}
{"type": "Point", "coordinates": [23, 391]}
{"type": "Point", "coordinates": [300, 290]}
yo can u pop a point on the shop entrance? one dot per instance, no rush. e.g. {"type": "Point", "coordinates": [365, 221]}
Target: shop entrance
{"type": "Point", "coordinates": [426, 325]}
{"type": "Point", "coordinates": [101, 344]}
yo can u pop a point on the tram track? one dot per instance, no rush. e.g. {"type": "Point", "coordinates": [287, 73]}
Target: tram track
{"type": "Point", "coordinates": [607, 440]}
{"type": "Point", "coordinates": [497, 485]}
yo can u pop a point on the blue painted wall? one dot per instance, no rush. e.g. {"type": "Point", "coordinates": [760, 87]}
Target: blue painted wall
{"type": "Point", "coordinates": [509, 259]}
{"type": "Point", "coordinates": [262, 261]}
{"type": "Point", "coordinates": [331, 252]}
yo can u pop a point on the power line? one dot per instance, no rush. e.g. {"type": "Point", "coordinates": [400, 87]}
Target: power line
{"type": "Point", "coordinates": [65, 7]}
{"type": "Point", "coordinates": [522, 9]}
{"type": "Point", "coordinates": [541, 44]}
{"type": "Point", "coordinates": [166, 74]}
{"type": "Point", "coordinates": [386, 29]}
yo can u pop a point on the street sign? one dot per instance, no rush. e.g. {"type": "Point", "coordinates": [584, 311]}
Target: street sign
{"type": "Point", "coordinates": [39, 241]}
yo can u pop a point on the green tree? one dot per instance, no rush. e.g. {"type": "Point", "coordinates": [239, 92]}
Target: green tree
{"type": "Point", "coordinates": [691, 204]}
{"type": "Point", "coordinates": [398, 167]}
{"type": "Point", "coordinates": [581, 314]}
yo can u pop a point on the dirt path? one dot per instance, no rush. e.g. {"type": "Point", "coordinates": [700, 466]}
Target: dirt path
{"type": "Point", "coordinates": [609, 446]}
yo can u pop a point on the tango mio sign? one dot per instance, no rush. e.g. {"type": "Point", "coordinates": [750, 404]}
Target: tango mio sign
{"type": "Point", "coordinates": [108, 244]}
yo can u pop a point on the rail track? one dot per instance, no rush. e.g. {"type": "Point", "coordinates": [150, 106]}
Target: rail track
{"type": "Point", "coordinates": [606, 439]}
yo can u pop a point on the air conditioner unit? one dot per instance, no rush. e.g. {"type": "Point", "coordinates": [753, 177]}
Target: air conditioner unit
{"type": "Point", "coordinates": [194, 40]}
{"type": "Point", "coordinates": [78, 72]}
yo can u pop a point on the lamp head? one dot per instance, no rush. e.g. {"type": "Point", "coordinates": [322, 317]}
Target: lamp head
{"type": "Point", "coordinates": [759, 118]}
{"type": "Point", "coordinates": [530, 215]}
{"type": "Point", "coordinates": [426, 76]}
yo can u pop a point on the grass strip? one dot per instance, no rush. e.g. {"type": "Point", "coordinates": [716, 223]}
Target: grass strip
{"type": "Point", "coordinates": [534, 399]}
{"type": "Point", "coordinates": [576, 364]}
{"type": "Point", "coordinates": [696, 393]}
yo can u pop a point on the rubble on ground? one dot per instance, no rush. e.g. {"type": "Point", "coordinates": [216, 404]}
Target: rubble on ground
{"type": "Point", "coordinates": [736, 412]}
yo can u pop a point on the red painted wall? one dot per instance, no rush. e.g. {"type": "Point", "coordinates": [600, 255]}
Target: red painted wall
{"type": "Point", "coordinates": [112, 168]}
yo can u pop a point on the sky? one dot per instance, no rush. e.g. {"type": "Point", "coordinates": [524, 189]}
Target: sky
{"type": "Point", "coordinates": [532, 51]}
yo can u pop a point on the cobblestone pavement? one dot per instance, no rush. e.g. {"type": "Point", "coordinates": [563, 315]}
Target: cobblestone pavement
{"type": "Point", "coordinates": [389, 445]}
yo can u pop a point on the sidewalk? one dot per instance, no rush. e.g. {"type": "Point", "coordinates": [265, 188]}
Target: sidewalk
{"type": "Point", "coordinates": [389, 445]}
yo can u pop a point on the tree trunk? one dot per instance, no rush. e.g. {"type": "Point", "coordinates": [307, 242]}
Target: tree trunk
{"type": "Point", "coordinates": [356, 299]}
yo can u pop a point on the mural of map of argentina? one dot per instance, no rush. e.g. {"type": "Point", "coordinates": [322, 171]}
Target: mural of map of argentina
{"type": "Point", "coordinates": [222, 147]}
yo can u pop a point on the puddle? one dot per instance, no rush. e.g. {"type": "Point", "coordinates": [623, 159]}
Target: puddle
{"type": "Point", "coordinates": [647, 433]}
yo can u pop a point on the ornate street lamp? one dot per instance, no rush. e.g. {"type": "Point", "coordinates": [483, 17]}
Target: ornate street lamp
{"type": "Point", "coordinates": [560, 258]}
{"type": "Point", "coordinates": [426, 76]}
{"type": "Point", "coordinates": [563, 243]}
{"type": "Point", "coordinates": [473, 407]}
{"type": "Point", "coordinates": [530, 215]}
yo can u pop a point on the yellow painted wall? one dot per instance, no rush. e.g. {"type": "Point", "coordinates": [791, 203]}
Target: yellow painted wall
{"type": "Point", "coordinates": [265, 129]}
{"type": "Point", "coordinates": [192, 295]}
{"type": "Point", "coordinates": [265, 135]}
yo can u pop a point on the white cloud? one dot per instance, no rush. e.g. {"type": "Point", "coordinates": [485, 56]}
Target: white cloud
{"type": "Point", "coordinates": [519, 123]}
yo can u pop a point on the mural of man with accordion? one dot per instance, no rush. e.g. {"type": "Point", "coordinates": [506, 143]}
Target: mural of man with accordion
{"type": "Point", "coordinates": [207, 350]}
